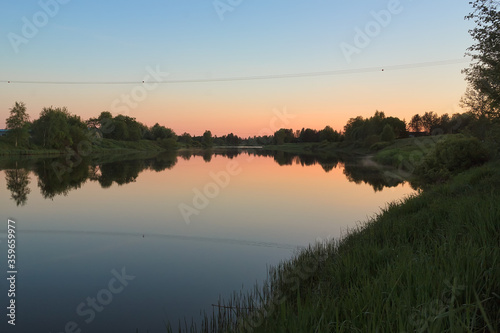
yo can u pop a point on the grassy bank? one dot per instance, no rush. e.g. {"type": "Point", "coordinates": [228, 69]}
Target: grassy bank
{"type": "Point", "coordinates": [387, 153]}
{"type": "Point", "coordinates": [430, 263]}
{"type": "Point", "coordinates": [404, 151]}
{"type": "Point", "coordinates": [103, 146]}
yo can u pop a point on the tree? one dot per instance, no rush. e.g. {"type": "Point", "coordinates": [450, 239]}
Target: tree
{"type": "Point", "coordinates": [430, 121]}
{"type": "Point", "coordinates": [51, 129]}
{"type": "Point", "coordinates": [387, 134]}
{"type": "Point", "coordinates": [416, 123]}
{"type": "Point", "coordinates": [57, 128]}
{"type": "Point", "coordinates": [355, 129]}
{"type": "Point", "coordinates": [483, 73]}
{"type": "Point", "coordinates": [18, 123]}
{"type": "Point", "coordinates": [445, 124]}
{"type": "Point", "coordinates": [104, 123]}
{"type": "Point", "coordinates": [186, 138]}
{"type": "Point", "coordinates": [329, 134]}
{"type": "Point", "coordinates": [308, 135]}
{"type": "Point", "coordinates": [208, 140]}
{"type": "Point", "coordinates": [476, 103]}
{"type": "Point", "coordinates": [397, 125]}
{"type": "Point", "coordinates": [282, 136]}
{"type": "Point", "coordinates": [370, 129]}
{"type": "Point", "coordinates": [161, 132]}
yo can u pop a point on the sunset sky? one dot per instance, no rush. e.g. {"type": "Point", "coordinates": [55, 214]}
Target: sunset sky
{"type": "Point", "coordinates": [123, 41]}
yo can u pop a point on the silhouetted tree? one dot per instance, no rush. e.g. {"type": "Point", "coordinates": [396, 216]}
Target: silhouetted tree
{"type": "Point", "coordinates": [329, 134]}
{"type": "Point", "coordinates": [476, 103]}
{"type": "Point", "coordinates": [161, 132]}
{"type": "Point", "coordinates": [186, 138]}
{"type": "Point", "coordinates": [416, 123]}
{"type": "Point", "coordinates": [430, 121]}
{"type": "Point", "coordinates": [283, 136]}
{"type": "Point", "coordinates": [483, 72]}
{"type": "Point", "coordinates": [308, 135]}
{"type": "Point", "coordinates": [208, 140]}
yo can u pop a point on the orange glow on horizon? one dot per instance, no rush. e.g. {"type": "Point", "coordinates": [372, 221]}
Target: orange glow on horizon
{"type": "Point", "coordinates": [247, 109]}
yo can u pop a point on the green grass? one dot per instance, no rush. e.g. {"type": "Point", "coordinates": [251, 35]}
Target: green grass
{"type": "Point", "coordinates": [142, 145]}
{"type": "Point", "coordinates": [396, 154]}
{"type": "Point", "coordinates": [406, 154]}
{"type": "Point", "coordinates": [102, 146]}
{"type": "Point", "coordinates": [430, 263]}
{"type": "Point", "coordinates": [7, 148]}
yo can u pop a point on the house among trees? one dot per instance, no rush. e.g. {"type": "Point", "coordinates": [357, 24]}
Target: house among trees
{"type": "Point", "coordinates": [3, 132]}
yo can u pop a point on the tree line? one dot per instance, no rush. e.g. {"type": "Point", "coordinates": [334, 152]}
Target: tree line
{"type": "Point", "coordinates": [57, 128]}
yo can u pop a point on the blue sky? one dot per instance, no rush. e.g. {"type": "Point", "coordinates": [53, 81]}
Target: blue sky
{"type": "Point", "coordinates": [118, 41]}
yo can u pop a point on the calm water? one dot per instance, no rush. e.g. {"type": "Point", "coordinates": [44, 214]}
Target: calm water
{"type": "Point", "coordinates": [115, 246]}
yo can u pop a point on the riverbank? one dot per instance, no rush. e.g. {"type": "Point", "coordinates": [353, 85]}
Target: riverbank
{"type": "Point", "coordinates": [384, 152]}
{"type": "Point", "coordinates": [104, 146]}
{"type": "Point", "coordinates": [430, 263]}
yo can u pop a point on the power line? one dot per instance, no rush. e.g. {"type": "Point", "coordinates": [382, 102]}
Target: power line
{"type": "Point", "coordinates": [258, 77]}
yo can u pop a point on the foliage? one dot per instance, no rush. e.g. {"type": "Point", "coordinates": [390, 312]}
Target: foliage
{"type": "Point", "coordinates": [476, 103]}
{"type": "Point", "coordinates": [430, 121]}
{"type": "Point", "coordinates": [416, 123]}
{"type": "Point", "coordinates": [360, 129]}
{"type": "Point", "coordinates": [483, 74]}
{"type": "Point", "coordinates": [387, 134]}
{"type": "Point", "coordinates": [168, 143]}
{"type": "Point", "coordinates": [283, 136]}
{"type": "Point", "coordinates": [329, 134]}
{"type": "Point", "coordinates": [18, 124]}
{"type": "Point", "coordinates": [17, 183]}
{"type": "Point", "coordinates": [451, 156]}
{"type": "Point", "coordinates": [208, 140]}
{"type": "Point", "coordinates": [57, 128]}
{"type": "Point", "coordinates": [161, 132]}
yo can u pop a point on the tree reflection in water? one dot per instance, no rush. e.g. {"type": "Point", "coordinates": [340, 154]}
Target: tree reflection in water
{"type": "Point", "coordinates": [17, 183]}
{"type": "Point", "coordinates": [118, 170]}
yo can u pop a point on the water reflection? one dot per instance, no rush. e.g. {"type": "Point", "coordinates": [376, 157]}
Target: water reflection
{"type": "Point", "coordinates": [120, 170]}
{"type": "Point", "coordinates": [17, 183]}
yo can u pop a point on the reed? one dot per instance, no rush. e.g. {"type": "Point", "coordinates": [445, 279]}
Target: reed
{"type": "Point", "coordinates": [429, 263]}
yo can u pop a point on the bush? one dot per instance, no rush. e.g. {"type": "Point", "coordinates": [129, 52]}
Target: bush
{"type": "Point", "coordinates": [450, 157]}
{"type": "Point", "coordinates": [380, 145]}
{"type": "Point", "coordinates": [388, 134]}
{"type": "Point", "coordinates": [371, 140]}
{"type": "Point", "coordinates": [168, 144]}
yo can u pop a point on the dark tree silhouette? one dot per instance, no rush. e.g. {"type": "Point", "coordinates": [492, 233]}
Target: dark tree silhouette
{"type": "Point", "coordinates": [483, 72]}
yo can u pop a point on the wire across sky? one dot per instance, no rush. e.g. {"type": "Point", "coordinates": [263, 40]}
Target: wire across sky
{"type": "Point", "coordinates": [257, 77]}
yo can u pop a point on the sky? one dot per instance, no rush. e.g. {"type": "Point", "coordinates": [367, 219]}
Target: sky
{"type": "Point", "coordinates": [93, 56]}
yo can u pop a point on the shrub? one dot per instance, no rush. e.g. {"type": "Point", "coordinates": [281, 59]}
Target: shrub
{"type": "Point", "coordinates": [388, 134]}
{"type": "Point", "coordinates": [450, 157]}
{"type": "Point", "coordinates": [380, 145]}
{"type": "Point", "coordinates": [371, 140]}
{"type": "Point", "coordinates": [168, 144]}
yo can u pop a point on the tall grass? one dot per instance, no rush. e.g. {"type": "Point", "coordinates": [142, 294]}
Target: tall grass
{"type": "Point", "coordinates": [430, 263]}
